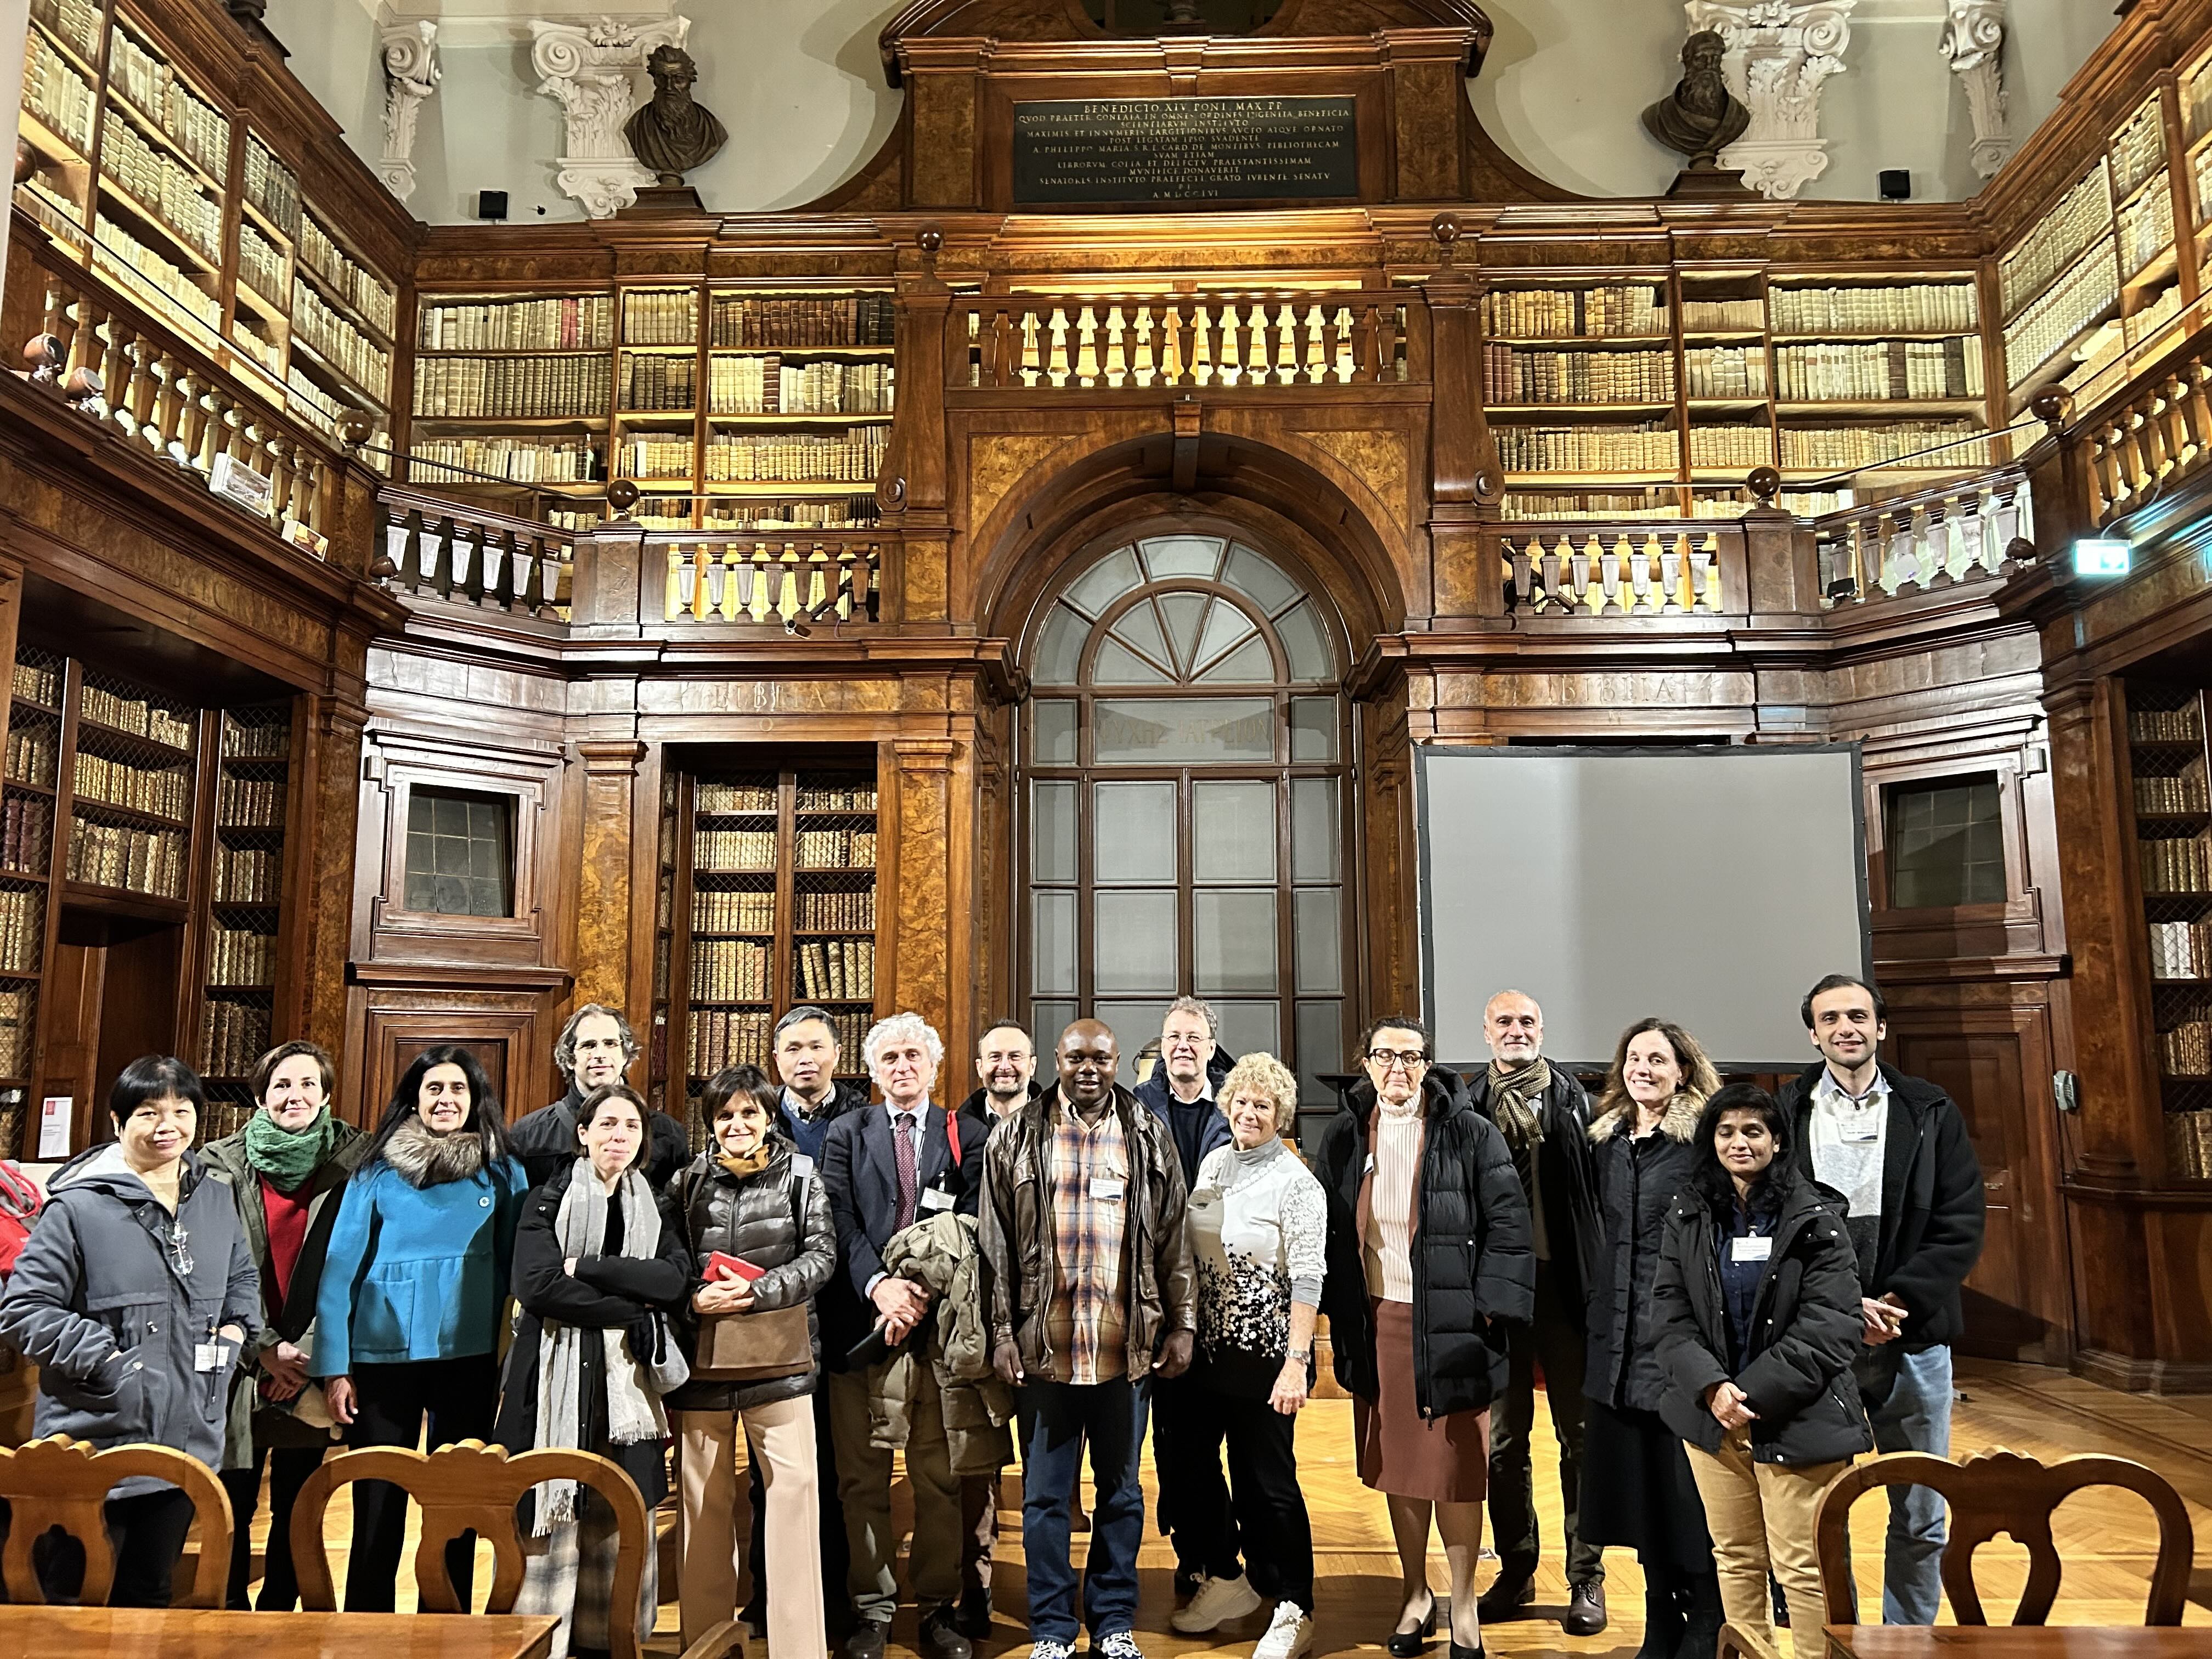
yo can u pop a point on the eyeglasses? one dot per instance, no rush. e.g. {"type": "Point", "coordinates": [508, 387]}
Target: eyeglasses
{"type": "Point", "coordinates": [1411, 1058]}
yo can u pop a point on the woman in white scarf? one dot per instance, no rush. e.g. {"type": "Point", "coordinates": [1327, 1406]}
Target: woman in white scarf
{"type": "Point", "coordinates": [595, 1269]}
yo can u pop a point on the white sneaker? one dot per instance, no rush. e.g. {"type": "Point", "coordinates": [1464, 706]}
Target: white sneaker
{"type": "Point", "coordinates": [1046, 1649]}
{"type": "Point", "coordinates": [1290, 1633]}
{"type": "Point", "coordinates": [1218, 1601]}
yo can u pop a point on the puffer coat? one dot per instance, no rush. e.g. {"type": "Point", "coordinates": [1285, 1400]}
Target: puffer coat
{"type": "Point", "coordinates": [777, 1218]}
{"type": "Point", "coordinates": [113, 1297]}
{"type": "Point", "coordinates": [1474, 1261]}
{"type": "Point", "coordinates": [1637, 1181]}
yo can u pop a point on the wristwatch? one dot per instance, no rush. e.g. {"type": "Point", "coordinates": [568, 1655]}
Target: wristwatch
{"type": "Point", "coordinates": [1303, 1356]}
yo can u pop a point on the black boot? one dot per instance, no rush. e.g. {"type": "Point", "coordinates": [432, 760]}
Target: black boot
{"type": "Point", "coordinates": [1701, 1632]}
{"type": "Point", "coordinates": [1662, 1612]}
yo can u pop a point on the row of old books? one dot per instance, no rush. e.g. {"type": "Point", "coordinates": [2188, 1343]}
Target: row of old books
{"type": "Point", "coordinates": [55, 93]}
{"type": "Point", "coordinates": [27, 832]}
{"type": "Point", "coordinates": [1558, 313]}
{"type": "Point", "coordinates": [733, 797]}
{"type": "Point", "coordinates": [854, 511]}
{"type": "Point", "coordinates": [40, 682]}
{"type": "Point", "coordinates": [574, 323]}
{"type": "Point", "coordinates": [167, 793]}
{"type": "Point", "coordinates": [752, 320]}
{"type": "Point", "coordinates": [163, 186]}
{"type": "Point", "coordinates": [1881, 368]}
{"type": "Point", "coordinates": [727, 850]}
{"type": "Point", "coordinates": [841, 970]}
{"type": "Point", "coordinates": [512, 388]}
{"type": "Point", "coordinates": [2184, 793]}
{"type": "Point", "coordinates": [2181, 950]}
{"type": "Point", "coordinates": [2146, 226]}
{"type": "Point", "coordinates": [837, 849]}
{"type": "Point", "coordinates": [2181, 864]}
{"type": "Point", "coordinates": [734, 913]}
{"type": "Point", "coordinates": [355, 282]}
{"type": "Point", "coordinates": [2164, 725]}
{"type": "Point", "coordinates": [1647, 447]}
{"type": "Point", "coordinates": [526, 460]}
{"type": "Point", "coordinates": [335, 338]}
{"type": "Point", "coordinates": [247, 875]}
{"type": "Point", "coordinates": [2082, 214]}
{"type": "Point", "coordinates": [32, 753]}
{"type": "Point", "coordinates": [660, 317]}
{"type": "Point", "coordinates": [271, 186]}
{"type": "Point", "coordinates": [136, 715]}
{"type": "Point", "coordinates": [2068, 307]}
{"type": "Point", "coordinates": [2189, 1144]}
{"type": "Point", "coordinates": [797, 457]}
{"type": "Point", "coordinates": [653, 382]}
{"type": "Point", "coordinates": [656, 458]}
{"type": "Point", "coordinates": [261, 264]}
{"type": "Point", "coordinates": [835, 797]}
{"type": "Point", "coordinates": [116, 247]}
{"type": "Point", "coordinates": [22, 928]}
{"type": "Point", "coordinates": [1905, 308]}
{"type": "Point", "coordinates": [820, 912]}
{"type": "Point", "coordinates": [233, 1036]}
{"type": "Point", "coordinates": [1725, 371]}
{"type": "Point", "coordinates": [236, 957]}
{"type": "Point", "coordinates": [768, 386]}
{"type": "Point", "coordinates": [154, 89]}
{"type": "Point", "coordinates": [77, 22]}
{"type": "Point", "coordinates": [2139, 148]}
{"type": "Point", "coordinates": [266, 739]}
{"type": "Point", "coordinates": [1724, 316]}
{"type": "Point", "coordinates": [1743, 445]}
{"type": "Point", "coordinates": [723, 1038]}
{"type": "Point", "coordinates": [141, 860]}
{"type": "Point", "coordinates": [729, 970]}
{"type": "Point", "coordinates": [1515, 375]}
{"type": "Point", "coordinates": [2186, 1050]}
{"type": "Point", "coordinates": [1806, 448]}
{"type": "Point", "coordinates": [18, 1030]}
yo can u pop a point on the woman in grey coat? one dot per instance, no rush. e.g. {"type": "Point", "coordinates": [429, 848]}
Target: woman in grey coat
{"type": "Point", "coordinates": [135, 1296]}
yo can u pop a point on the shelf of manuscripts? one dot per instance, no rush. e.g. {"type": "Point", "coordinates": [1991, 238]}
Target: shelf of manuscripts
{"type": "Point", "coordinates": [2173, 815]}
{"type": "Point", "coordinates": [28, 789]}
{"type": "Point", "coordinates": [252, 796]}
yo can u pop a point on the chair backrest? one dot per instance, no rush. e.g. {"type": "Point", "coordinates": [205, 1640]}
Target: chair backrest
{"type": "Point", "coordinates": [469, 1486]}
{"type": "Point", "coordinates": [2002, 1491]}
{"type": "Point", "coordinates": [61, 1482]}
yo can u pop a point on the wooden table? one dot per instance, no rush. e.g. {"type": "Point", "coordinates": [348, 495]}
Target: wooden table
{"type": "Point", "coordinates": [43, 1632]}
{"type": "Point", "coordinates": [2014, 1642]}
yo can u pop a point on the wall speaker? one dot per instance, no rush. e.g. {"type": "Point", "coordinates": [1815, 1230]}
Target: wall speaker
{"type": "Point", "coordinates": [1896, 184]}
{"type": "Point", "coordinates": [492, 203]}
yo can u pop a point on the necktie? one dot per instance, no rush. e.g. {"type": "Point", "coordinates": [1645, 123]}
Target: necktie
{"type": "Point", "coordinates": [902, 1137]}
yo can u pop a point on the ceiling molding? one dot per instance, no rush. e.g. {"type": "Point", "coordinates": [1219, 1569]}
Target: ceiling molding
{"type": "Point", "coordinates": [465, 23]}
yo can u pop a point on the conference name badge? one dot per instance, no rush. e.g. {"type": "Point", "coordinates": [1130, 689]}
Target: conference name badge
{"type": "Point", "coordinates": [1755, 1248]}
{"type": "Point", "coordinates": [1104, 1187]}
{"type": "Point", "coordinates": [936, 1198]}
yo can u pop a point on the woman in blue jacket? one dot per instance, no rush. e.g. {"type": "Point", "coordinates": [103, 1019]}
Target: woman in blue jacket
{"type": "Point", "coordinates": [408, 1320]}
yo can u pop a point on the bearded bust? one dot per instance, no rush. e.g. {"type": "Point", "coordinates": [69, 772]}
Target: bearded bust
{"type": "Point", "coordinates": [1701, 116]}
{"type": "Point", "coordinates": [670, 133]}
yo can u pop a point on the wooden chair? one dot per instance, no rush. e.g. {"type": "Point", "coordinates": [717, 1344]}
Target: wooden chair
{"type": "Point", "coordinates": [61, 1482]}
{"type": "Point", "coordinates": [2002, 1491]}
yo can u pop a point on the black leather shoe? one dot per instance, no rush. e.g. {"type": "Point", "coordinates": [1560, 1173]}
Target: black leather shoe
{"type": "Point", "coordinates": [1408, 1644]}
{"type": "Point", "coordinates": [866, 1641]}
{"type": "Point", "coordinates": [940, 1637]}
{"type": "Point", "coordinates": [974, 1620]}
{"type": "Point", "coordinates": [1511, 1592]}
{"type": "Point", "coordinates": [1586, 1608]}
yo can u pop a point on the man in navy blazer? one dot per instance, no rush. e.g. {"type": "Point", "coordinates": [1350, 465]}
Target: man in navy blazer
{"type": "Point", "coordinates": [886, 1167]}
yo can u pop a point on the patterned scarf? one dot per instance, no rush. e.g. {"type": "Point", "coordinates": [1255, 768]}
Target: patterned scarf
{"type": "Point", "coordinates": [1516, 1102]}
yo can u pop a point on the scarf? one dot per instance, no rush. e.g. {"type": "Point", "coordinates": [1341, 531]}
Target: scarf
{"type": "Point", "coordinates": [634, 1412]}
{"type": "Point", "coordinates": [753, 1162]}
{"type": "Point", "coordinates": [284, 1157]}
{"type": "Point", "coordinates": [426, 1158]}
{"type": "Point", "coordinates": [1515, 1102]}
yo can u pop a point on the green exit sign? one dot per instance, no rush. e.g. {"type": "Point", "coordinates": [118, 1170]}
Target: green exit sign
{"type": "Point", "coordinates": [2101, 556]}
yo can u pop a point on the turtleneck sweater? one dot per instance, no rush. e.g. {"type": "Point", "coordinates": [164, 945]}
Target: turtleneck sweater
{"type": "Point", "coordinates": [1259, 1241]}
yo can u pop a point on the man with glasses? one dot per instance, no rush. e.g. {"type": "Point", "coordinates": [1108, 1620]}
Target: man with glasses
{"type": "Point", "coordinates": [594, 1051]}
{"type": "Point", "coordinates": [1545, 1118]}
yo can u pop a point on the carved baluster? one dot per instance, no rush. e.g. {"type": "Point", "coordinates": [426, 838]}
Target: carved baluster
{"type": "Point", "coordinates": [1638, 555]}
{"type": "Point", "coordinates": [1336, 346]}
{"type": "Point", "coordinates": [1706, 566]}
{"type": "Point", "coordinates": [1553, 595]}
{"type": "Point", "coordinates": [1032, 359]}
{"type": "Point", "coordinates": [1086, 368]}
{"type": "Point", "coordinates": [1674, 576]}
{"type": "Point", "coordinates": [2150, 439]}
{"type": "Point", "coordinates": [1181, 343]}
{"type": "Point", "coordinates": [78, 325]}
{"type": "Point", "coordinates": [1515, 572]}
{"type": "Point", "coordinates": [1612, 574]}
{"type": "Point", "coordinates": [1144, 347]}
{"type": "Point", "coordinates": [2188, 399]}
{"type": "Point", "coordinates": [679, 584]}
{"type": "Point", "coordinates": [1198, 362]}
{"type": "Point", "coordinates": [2142, 444]}
{"type": "Point", "coordinates": [1364, 342]}
{"type": "Point", "coordinates": [1117, 361]}
{"type": "Point", "coordinates": [1578, 570]}
{"type": "Point", "coordinates": [1056, 354]}
{"type": "Point", "coordinates": [1390, 362]}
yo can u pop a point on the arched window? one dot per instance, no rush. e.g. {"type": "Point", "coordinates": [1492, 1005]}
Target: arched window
{"type": "Point", "coordinates": [1183, 771]}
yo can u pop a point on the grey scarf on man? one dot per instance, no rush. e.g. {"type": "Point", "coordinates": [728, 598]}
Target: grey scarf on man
{"type": "Point", "coordinates": [634, 1411]}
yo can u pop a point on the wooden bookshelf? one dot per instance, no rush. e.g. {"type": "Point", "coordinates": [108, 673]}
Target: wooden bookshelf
{"type": "Point", "coordinates": [244, 904]}
{"type": "Point", "coordinates": [766, 899]}
{"type": "Point", "coordinates": [2173, 821]}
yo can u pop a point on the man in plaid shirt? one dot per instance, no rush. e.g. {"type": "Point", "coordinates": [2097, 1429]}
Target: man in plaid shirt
{"type": "Point", "coordinates": [1093, 1295]}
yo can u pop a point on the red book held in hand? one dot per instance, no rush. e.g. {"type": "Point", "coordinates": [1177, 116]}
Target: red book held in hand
{"type": "Point", "coordinates": [720, 1266]}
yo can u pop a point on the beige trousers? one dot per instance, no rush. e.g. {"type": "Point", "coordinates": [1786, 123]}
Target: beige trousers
{"type": "Point", "coordinates": [864, 1486]}
{"type": "Point", "coordinates": [718, 1522]}
{"type": "Point", "coordinates": [1761, 1517]}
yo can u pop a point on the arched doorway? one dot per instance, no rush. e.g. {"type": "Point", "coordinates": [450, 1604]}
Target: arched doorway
{"type": "Point", "coordinates": [1183, 773]}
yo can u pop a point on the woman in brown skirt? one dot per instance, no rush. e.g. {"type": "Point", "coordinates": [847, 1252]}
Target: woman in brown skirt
{"type": "Point", "coordinates": [1429, 1248]}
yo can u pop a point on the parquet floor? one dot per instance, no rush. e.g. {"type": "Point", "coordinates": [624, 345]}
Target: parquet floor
{"type": "Point", "coordinates": [2107, 1539]}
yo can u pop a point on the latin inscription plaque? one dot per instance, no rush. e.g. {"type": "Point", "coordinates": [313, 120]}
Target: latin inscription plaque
{"type": "Point", "coordinates": [1086, 150]}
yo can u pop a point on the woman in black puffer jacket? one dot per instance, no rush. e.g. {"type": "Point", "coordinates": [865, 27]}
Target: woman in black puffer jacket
{"type": "Point", "coordinates": [1637, 1489]}
{"type": "Point", "coordinates": [752, 1197]}
{"type": "Point", "coordinates": [1429, 1248]}
{"type": "Point", "coordinates": [1757, 1303]}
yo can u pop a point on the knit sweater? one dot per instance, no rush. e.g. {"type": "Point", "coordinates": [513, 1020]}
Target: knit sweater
{"type": "Point", "coordinates": [1259, 1238]}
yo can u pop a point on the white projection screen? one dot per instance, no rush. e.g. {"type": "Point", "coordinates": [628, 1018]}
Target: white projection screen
{"type": "Point", "coordinates": [1708, 885]}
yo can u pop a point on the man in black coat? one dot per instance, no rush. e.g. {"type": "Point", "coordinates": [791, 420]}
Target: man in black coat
{"type": "Point", "coordinates": [593, 1050]}
{"type": "Point", "coordinates": [1897, 1147]}
{"type": "Point", "coordinates": [1545, 1118]}
{"type": "Point", "coordinates": [1005, 1075]}
{"type": "Point", "coordinates": [885, 1168]}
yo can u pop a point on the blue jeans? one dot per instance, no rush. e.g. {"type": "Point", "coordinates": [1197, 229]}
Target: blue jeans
{"type": "Point", "coordinates": [1055, 1419]}
{"type": "Point", "coordinates": [1915, 1415]}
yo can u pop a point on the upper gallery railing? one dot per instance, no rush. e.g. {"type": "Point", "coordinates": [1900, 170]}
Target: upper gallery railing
{"type": "Point", "coordinates": [1978, 529]}
{"type": "Point", "coordinates": [1634, 567]}
{"type": "Point", "coordinates": [2150, 435]}
{"type": "Point", "coordinates": [791, 579]}
{"type": "Point", "coordinates": [436, 547]}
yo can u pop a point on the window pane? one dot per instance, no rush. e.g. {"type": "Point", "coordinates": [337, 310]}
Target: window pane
{"type": "Point", "coordinates": [449, 813]}
{"type": "Point", "coordinates": [1261, 578]}
{"type": "Point", "coordinates": [1116, 665]}
{"type": "Point", "coordinates": [1233, 945]}
{"type": "Point", "coordinates": [1103, 583]}
{"type": "Point", "coordinates": [1132, 946]}
{"type": "Point", "coordinates": [1250, 1028]}
{"type": "Point", "coordinates": [1946, 844]}
{"type": "Point", "coordinates": [1224, 625]}
{"type": "Point", "coordinates": [1313, 830]}
{"type": "Point", "coordinates": [1054, 728]}
{"type": "Point", "coordinates": [1170, 729]}
{"type": "Point", "coordinates": [1313, 728]}
{"type": "Point", "coordinates": [1052, 842]}
{"type": "Point", "coordinates": [1059, 647]}
{"type": "Point", "coordinates": [1319, 914]}
{"type": "Point", "coordinates": [1185, 613]}
{"type": "Point", "coordinates": [1052, 949]}
{"type": "Point", "coordinates": [1232, 831]}
{"type": "Point", "coordinates": [1182, 555]}
{"type": "Point", "coordinates": [1135, 1025]}
{"type": "Point", "coordinates": [1049, 1020]}
{"type": "Point", "coordinates": [1321, 1048]}
{"type": "Point", "coordinates": [1311, 659]}
{"type": "Point", "coordinates": [418, 809]}
{"type": "Point", "coordinates": [460, 853]}
{"type": "Point", "coordinates": [1132, 832]}
{"type": "Point", "coordinates": [1250, 664]}
{"type": "Point", "coordinates": [1140, 626]}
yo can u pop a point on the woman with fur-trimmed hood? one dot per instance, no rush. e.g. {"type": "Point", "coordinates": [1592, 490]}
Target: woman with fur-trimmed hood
{"type": "Point", "coordinates": [1637, 1489]}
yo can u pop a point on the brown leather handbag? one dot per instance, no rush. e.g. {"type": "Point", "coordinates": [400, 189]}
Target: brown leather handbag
{"type": "Point", "coordinates": [759, 1346]}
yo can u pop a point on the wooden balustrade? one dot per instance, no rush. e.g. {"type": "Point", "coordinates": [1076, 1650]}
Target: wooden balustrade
{"type": "Point", "coordinates": [1639, 568]}
{"type": "Point", "coordinates": [2152, 434]}
{"type": "Point", "coordinates": [435, 547]}
{"type": "Point", "coordinates": [1963, 531]}
{"type": "Point", "coordinates": [1084, 341]}
{"type": "Point", "coordinates": [166, 397]}
{"type": "Point", "coordinates": [768, 580]}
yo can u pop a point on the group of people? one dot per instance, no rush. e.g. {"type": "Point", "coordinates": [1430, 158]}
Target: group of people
{"type": "Point", "coordinates": [1728, 1296]}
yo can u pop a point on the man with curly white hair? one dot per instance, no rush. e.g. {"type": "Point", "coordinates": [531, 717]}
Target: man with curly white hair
{"type": "Point", "coordinates": [884, 1167]}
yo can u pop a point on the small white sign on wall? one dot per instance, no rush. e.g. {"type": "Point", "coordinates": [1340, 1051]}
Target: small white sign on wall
{"type": "Point", "coordinates": [54, 1115]}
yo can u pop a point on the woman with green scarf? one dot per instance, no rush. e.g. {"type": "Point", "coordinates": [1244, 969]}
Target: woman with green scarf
{"type": "Point", "coordinates": [287, 1168]}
